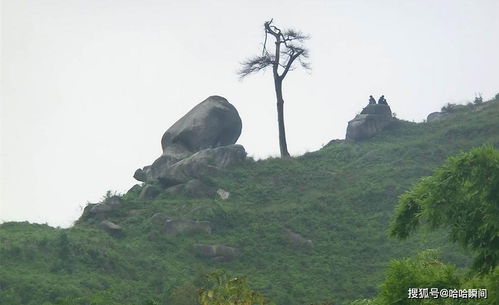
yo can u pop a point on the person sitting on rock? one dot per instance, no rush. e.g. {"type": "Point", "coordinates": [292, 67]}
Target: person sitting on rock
{"type": "Point", "coordinates": [372, 101]}
{"type": "Point", "coordinates": [382, 100]}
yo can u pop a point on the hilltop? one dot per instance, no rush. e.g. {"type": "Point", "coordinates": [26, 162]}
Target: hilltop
{"type": "Point", "coordinates": [302, 230]}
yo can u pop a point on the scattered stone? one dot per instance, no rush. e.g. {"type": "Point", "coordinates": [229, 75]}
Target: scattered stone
{"type": "Point", "coordinates": [159, 218]}
{"type": "Point", "coordinates": [223, 194]}
{"type": "Point", "coordinates": [216, 252]}
{"type": "Point", "coordinates": [297, 240]}
{"type": "Point", "coordinates": [111, 227]}
{"type": "Point", "coordinates": [149, 192]}
{"type": "Point", "coordinates": [174, 227]}
{"type": "Point", "coordinates": [372, 120]}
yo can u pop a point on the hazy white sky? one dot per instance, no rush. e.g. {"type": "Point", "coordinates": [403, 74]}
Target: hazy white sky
{"type": "Point", "coordinates": [89, 86]}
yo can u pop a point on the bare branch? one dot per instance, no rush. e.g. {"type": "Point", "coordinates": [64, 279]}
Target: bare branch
{"type": "Point", "coordinates": [290, 62]}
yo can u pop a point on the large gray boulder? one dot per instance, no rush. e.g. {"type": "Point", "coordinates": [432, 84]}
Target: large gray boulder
{"type": "Point", "coordinates": [201, 142]}
{"type": "Point", "coordinates": [212, 123]}
{"type": "Point", "coordinates": [373, 119]}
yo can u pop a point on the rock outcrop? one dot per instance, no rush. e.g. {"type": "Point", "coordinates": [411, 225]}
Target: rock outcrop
{"type": "Point", "coordinates": [202, 142]}
{"type": "Point", "coordinates": [434, 116]}
{"type": "Point", "coordinates": [372, 119]}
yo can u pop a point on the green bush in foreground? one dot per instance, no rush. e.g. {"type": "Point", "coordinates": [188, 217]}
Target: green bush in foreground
{"type": "Point", "coordinates": [462, 195]}
{"type": "Point", "coordinates": [425, 271]}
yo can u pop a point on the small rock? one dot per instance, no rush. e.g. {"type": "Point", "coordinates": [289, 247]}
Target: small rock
{"type": "Point", "coordinates": [223, 194]}
{"type": "Point", "coordinates": [111, 227]}
{"type": "Point", "coordinates": [149, 192]}
{"type": "Point", "coordinates": [174, 227]}
{"type": "Point", "coordinates": [159, 218]}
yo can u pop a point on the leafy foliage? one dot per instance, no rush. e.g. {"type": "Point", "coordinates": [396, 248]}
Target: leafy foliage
{"type": "Point", "coordinates": [230, 291]}
{"type": "Point", "coordinates": [462, 195]}
{"type": "Point", "coordinates": [426, 271]}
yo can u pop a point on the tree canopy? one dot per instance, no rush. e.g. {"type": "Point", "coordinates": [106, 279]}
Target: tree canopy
{"type": "Point", "coordinates": [463, 196]}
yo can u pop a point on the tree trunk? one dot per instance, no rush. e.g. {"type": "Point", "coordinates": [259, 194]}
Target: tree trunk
{"type": "Point", "coordinates": [280, 119]}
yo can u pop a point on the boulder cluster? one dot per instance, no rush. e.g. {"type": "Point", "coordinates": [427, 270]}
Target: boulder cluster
{"type": "Point", "coordinates": [201, 143]}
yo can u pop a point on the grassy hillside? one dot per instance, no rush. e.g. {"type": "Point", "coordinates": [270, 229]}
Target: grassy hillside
{"type": "Point", "coordinates": [340, 197]}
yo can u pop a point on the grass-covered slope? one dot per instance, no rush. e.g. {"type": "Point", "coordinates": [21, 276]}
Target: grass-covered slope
{"type": "Point", "coordinates": [340, 197]}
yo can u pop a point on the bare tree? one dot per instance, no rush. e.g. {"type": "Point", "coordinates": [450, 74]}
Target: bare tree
{"type": "Point", "coordinates": [288, 48]}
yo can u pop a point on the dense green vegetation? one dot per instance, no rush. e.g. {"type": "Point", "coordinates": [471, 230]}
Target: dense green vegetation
{"type": "Point", "coordinates": [462, 195]}
{"type": "Point", "coordinates": [424, 279]}
{"type": "Point", "coordinates": [341, 197]}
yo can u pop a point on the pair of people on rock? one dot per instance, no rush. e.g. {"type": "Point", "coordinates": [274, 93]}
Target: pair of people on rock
{"type": "Point", "coordinates": [381, 100]}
